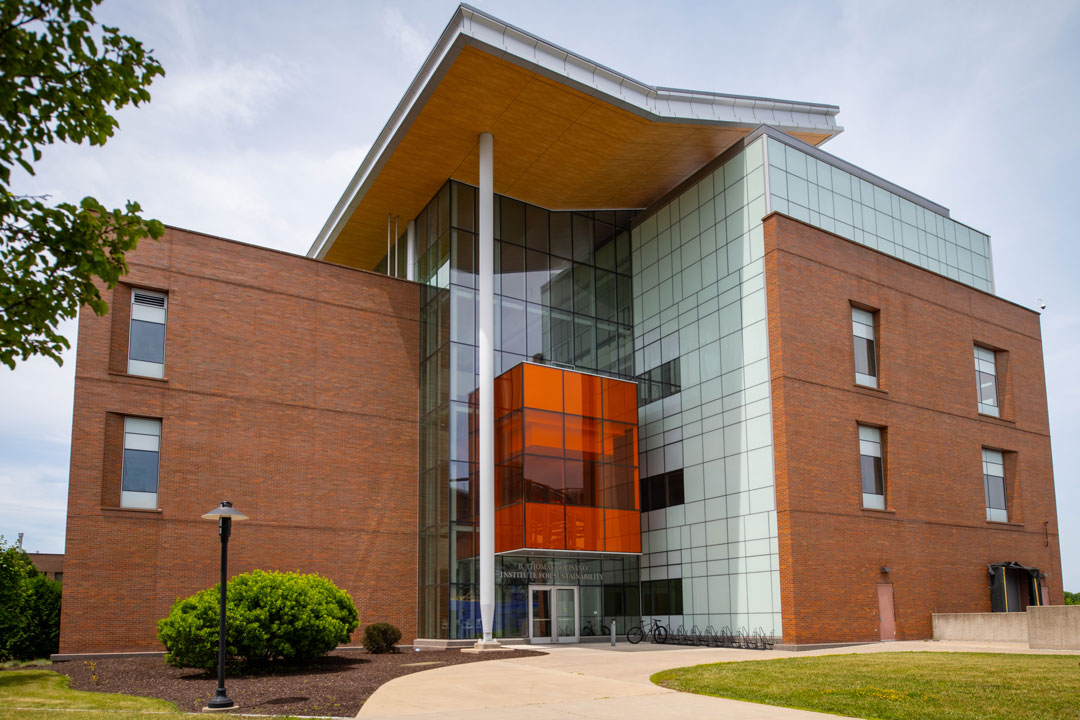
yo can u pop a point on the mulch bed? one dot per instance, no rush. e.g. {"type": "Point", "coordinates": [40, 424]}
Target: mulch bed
{"type": "Point", "coordinates": [335, 685]}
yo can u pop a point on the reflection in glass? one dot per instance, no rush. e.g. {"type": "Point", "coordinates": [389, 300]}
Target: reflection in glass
{"type": "Point", "coordinates": [541, 613]}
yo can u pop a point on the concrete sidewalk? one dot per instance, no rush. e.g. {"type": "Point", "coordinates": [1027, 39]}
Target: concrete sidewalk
{"type": "Point", "coordinates": [598, 681]}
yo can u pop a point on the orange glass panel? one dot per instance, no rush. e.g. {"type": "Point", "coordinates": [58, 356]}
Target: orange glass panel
{"type": "Point", "coordinates": [581, 480]}
{"type": "Point", "coordinates": [543, 387]}
{"type": "Point", "coordinates": [584, 528]}
{"type": "Point", "coordinates": [508, 436]}
{"type": "Point", "coordinates": [583, 438]}
{"type": "Point", "coordinates": [622, 531]}
{"type": "Point", "coordinates": [545, 526]}
{"type": "Point", "coordinates": [620, 401]}
{"type": "Point", "coordinates": [507, 394]}
{"type": "Point", "coordinates": [508, 482]}
{"type": "Point", "coordinates": [581, 394]}
{"type": "Point", "coordinates": [620, 443]}
{"type": "Point", "coordinates": [621, 487]}
{"type": "Point", "coordinates": [543, 479]}
{"type": "Point", "coordinates": [543, 433]}
{"type": "Point", "coordinates": [510, 528]}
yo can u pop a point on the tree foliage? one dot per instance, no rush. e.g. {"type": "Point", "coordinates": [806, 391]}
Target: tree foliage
{"type": "Point", "coordinates": [29, 608]}
{"type": "Point", "coordinates": [271, 617]}
{"type": "Point", "coordinates": [61, 77]}
{"type": "Point", "coordinates": [1072, 598]}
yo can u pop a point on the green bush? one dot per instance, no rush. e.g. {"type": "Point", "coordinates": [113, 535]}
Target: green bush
{"type": "Point", "coordinates": [1072, 598]}
{"type": "Point", "coordinates": [271, 617]}
{"type": "Point", "coordinates": [381, 638]}
{"type": "Point", "coordinates": [29, 608]}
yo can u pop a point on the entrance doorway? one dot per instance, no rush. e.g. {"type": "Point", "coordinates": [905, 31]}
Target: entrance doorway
{"type": "Point", "coordinates": [553, 615]}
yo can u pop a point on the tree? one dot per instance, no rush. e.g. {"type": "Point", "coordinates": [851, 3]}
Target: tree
{"type": "Point", "coordinates": [29, 608]}
{"type": "Point", "coordinates": [1072, 598]}
{"type": "Point", "coordinates": [60, 77]}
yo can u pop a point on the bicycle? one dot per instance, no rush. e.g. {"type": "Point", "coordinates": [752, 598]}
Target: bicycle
{"type": "Point", "coordinates": [588, 630]}
{"type": "Point", "coordinates": [659, 633]}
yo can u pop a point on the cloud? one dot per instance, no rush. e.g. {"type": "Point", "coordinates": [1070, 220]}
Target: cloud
{"type": "Point", "coordinates": [237, 91]}
{"type": "Point", "coordinates": [35, 503]}
{"type": "Point", "coordinates": [38, 397]}
{"type": "Point", "coordinates": [413, 44]}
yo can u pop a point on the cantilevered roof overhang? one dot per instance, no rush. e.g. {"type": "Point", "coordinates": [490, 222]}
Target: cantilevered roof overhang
{"type": "Point", "coordinates": [569, 134]}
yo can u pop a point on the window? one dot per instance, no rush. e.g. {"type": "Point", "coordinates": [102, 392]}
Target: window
{"type": "Point", "coordinates": [146, 338]}
{"type": "Point", "coordinates": [661, 597]}
{"type": "Point", "coordinates": [862, 329]}
{"type": "Point", "coordinates": [986, 379]}
{"type": "Point", "coordinates": [994, 485]}
{"type": "Point", "coordinates": [142, 440]}
{"type": "Point", "coordinates": [873, 477]}
{"type": "Point", "coordinates": [661, 491]}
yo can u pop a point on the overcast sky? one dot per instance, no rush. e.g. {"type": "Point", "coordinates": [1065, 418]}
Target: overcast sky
{"type": "Point", "coordinates": [268, 108]}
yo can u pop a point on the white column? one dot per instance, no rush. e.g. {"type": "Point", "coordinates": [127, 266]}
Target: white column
{"type": "Point", "coordinates": [485, 299]}
{"type": "Point", "coordinates": [410, 250]}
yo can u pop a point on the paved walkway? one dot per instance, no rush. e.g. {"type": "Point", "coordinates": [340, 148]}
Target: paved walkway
{"type": "Point", "coordinates": [601, 682]}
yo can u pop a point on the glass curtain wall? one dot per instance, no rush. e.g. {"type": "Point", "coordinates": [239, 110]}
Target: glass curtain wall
{"type": "Point", "coordinates": [563, 296]}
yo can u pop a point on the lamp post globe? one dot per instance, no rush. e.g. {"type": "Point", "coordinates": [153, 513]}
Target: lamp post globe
{"type": "Point", "coordinates": [224, 514]}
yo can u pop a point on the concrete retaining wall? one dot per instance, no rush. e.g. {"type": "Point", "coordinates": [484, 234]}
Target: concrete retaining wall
{"type": "Point", "coordinates": [990, 627]}
{"type": "Point", "coordinates": [1054, 627]}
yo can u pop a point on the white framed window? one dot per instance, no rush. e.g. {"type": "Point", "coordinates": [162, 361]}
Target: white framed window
{"type": "Point", "coordinates": [994, 485]}
{"type": "Point", "coordinates": [986, 380]}
{"type": "Point", "coordinates": [871, 469]}
{"type": "Point", "coordinates": [146, 336]}
{"type": "Point", "coordinates": [862, 330]}
{"type": "Point", "coordinates": [142, 445]}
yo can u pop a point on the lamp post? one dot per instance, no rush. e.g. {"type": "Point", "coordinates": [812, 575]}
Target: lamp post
{"type": "Point", "coordinates": [224, 514]}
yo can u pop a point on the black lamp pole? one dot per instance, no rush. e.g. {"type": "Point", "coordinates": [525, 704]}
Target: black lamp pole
{"type": "Point", "coordinates": [224, 515]}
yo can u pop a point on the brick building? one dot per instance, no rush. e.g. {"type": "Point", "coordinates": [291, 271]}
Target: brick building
{"type": "Point", "coordinates": [839, 428]}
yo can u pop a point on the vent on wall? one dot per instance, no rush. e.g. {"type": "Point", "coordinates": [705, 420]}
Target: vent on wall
{"type": "Point", "coordinates": [157, 301]}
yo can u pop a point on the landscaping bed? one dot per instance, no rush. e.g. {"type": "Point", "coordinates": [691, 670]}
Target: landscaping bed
{"type": "Point", "coordinates": [335, 685]}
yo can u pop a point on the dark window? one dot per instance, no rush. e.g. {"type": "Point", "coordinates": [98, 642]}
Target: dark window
{"type": "Point", "coordinates": [871, 468]}
{"type": "Point", "coordinates": [147, 341]}
{"type": "Point", "coordinates": [660, 382]}
{"type": "Point", "coordinates": [146, 333]}
{"type": "Point", "coordinates": [661, 597]}
{"type": "Point", "coordinates": [871, 475]}
{"type": "Point", "coordinates": [986, 380]}
{"type": "Point", "coordinates": [994, 485]}
{"type": "Point", "coordinates": [862, 328]}
{"type": "Point", "coordinates": [140, 471]}
{"type": "Point", "coordinates": [661, 491]}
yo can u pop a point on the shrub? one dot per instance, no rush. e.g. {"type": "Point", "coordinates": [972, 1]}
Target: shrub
{"type": "Point", "coordinates": [271, 617]}
{"type": "Point", "coordinates": [29, 608]}
{"type": "Point", "coordinates": [381, 638]}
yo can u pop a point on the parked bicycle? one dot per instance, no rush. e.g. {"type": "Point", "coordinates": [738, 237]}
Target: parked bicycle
{"type": "Point", "coordinates": [588, 629]}
{"type": "Point", "coordinates": [659, 633]}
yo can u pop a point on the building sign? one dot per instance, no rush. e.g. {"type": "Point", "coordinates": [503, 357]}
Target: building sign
{"type": "Point", "coordinates": [547, 572]}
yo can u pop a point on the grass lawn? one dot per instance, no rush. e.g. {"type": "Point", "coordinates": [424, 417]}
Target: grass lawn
{"type": "Point", "coordinates": [38, 694]}
{"type": "Point", "coordinates": [35, 693]}
{"type": "Point", "coordinates": [898, 686]}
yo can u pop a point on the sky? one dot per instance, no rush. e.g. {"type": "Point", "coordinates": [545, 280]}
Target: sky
{"type": "Point", "coordinates": [268, 107]}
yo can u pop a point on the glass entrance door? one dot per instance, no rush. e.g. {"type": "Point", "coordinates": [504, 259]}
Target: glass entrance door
{"type": "Point", "coordinates": [566, 629]}
{"type": "Point", "coordinates": [553, 615]}
{"type": "Point", "coordinates": [541, 628]}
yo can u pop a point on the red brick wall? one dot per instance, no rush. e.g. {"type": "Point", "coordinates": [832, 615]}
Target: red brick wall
{"type": "Point", "coordinates": [291, 390]}
{"type": "Point", "coordinates": [933, 533]}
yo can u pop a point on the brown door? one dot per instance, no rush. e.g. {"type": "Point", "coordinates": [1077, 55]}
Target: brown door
{"type": "Point", "coordinates": [885, 612]}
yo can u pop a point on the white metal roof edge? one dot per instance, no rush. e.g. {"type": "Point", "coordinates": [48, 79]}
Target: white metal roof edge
{"type": "Point", "coordinates": [470, 26]}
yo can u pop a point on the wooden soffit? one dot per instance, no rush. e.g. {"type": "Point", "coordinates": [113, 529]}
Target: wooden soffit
{"type": "Point", "coordinates": [555, 146]}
